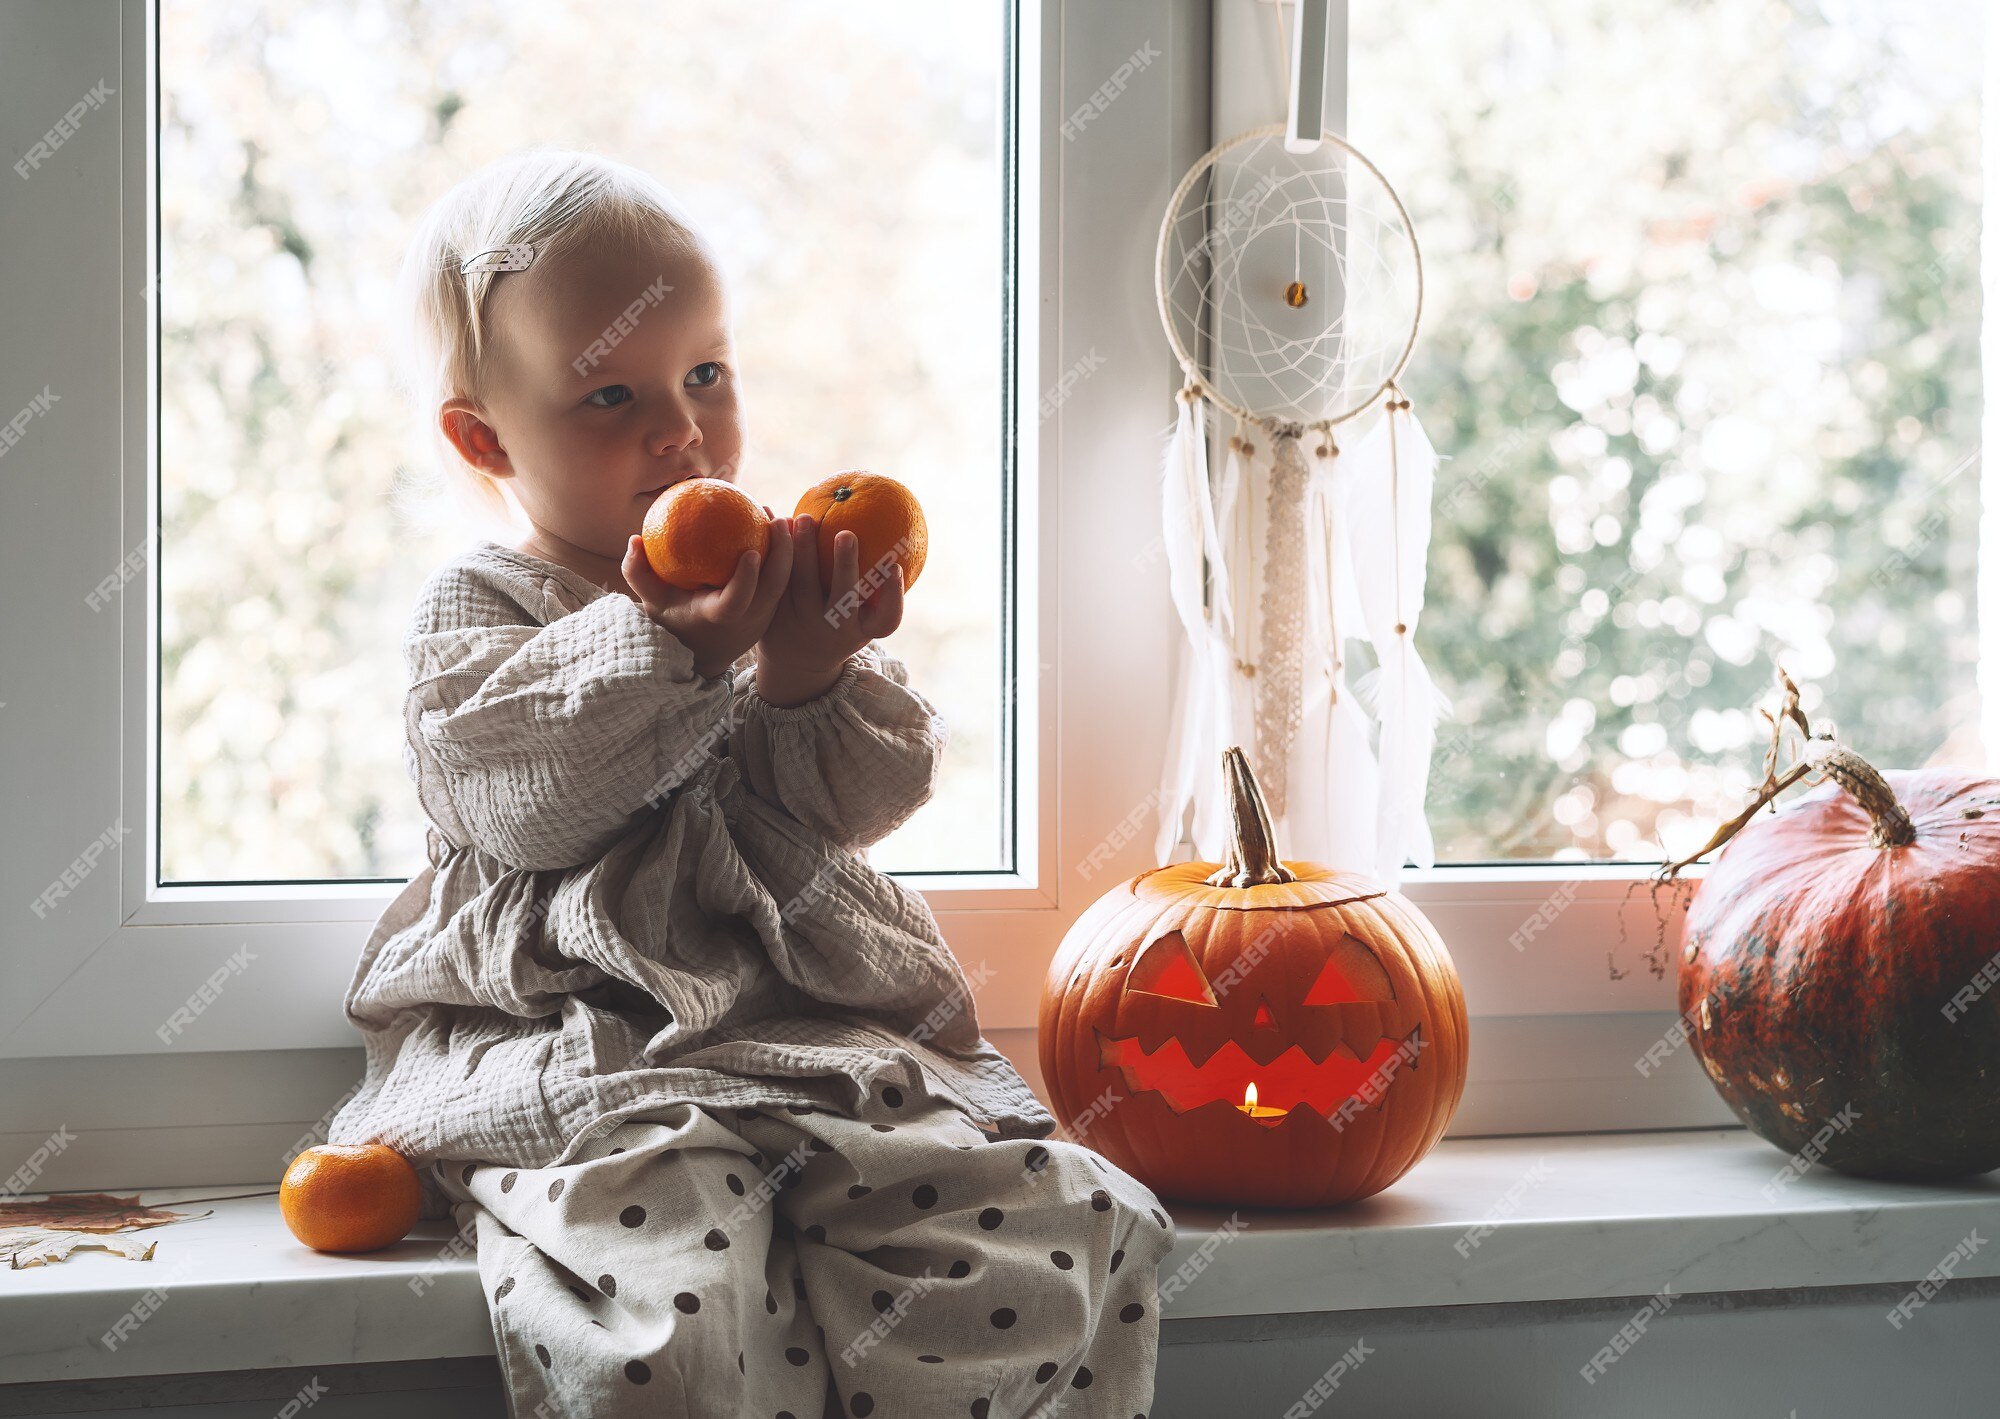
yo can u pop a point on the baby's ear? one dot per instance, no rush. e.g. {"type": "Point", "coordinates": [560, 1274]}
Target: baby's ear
{"type": "Point", "coordinates": [478, 443]}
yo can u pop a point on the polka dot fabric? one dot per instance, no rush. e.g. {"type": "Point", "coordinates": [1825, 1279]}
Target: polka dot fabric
{"type": "Point", "coordinates": [795, 1262]}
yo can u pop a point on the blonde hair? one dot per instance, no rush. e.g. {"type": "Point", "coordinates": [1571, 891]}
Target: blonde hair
{"type": "Point", "coordinates": [555, 198]}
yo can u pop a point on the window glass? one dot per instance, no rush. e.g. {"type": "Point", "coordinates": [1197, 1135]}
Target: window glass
{"type": "Point", "coordinates": [858, 203]}
{"type": "Point", "coordinates": [1701, 339]}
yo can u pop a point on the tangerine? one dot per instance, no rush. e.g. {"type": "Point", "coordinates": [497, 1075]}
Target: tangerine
{"type": "Point", "coordinates": [344, 1197]}
{"type": "Point", "coordinates": [699, 528]}
{"type": "Point", "coordinates": [881, 512]}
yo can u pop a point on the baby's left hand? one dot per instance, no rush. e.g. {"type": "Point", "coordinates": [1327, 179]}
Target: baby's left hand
{"type": "Point", "coordinates": [813, 633]}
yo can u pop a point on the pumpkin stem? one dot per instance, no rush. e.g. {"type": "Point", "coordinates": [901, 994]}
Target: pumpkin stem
{"type": "Point", "coordinates": [1250, 856]}
{"type": "Point", "coordinates": [1892, 825]}
{"type": "Point", "coordinates": [1821, 755]}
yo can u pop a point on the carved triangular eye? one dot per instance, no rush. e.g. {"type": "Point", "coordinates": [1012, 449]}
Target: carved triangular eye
{"type": "Point", "coordinates": [1350, 976]}
{"type": "Point", "coordinates": [1168, 968]}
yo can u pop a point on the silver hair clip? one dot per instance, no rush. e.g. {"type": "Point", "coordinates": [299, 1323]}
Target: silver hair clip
{"type": "Point", "coordinates": [517, 257]}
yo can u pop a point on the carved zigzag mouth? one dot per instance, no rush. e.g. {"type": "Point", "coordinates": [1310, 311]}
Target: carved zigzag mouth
{"type": "Point", "coordinates": [1289, 1080]}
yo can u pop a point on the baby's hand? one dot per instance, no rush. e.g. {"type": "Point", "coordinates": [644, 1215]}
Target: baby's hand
{"type": "Point", "coordinates": [813, 633]}
{"type": "Point", "coordinates": [720, 623]}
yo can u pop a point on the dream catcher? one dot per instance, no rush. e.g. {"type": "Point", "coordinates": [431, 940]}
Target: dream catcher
{"type": "Point", "coordinates": [1290, 287]}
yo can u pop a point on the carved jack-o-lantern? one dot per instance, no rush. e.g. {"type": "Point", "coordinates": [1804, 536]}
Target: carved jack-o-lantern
{"type": "Point", "coordinates": [1269, 1033]}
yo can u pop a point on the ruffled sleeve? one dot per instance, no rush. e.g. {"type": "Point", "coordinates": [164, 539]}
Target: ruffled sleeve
{"type": "Point", "coordinates": [853, 763]}
{"type": "Point", "coordinates": [539, 743]}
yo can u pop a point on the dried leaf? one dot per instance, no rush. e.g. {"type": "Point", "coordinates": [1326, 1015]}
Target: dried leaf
{"type": "Point", "coordinates": [35, 1233]}
{"type": "Point", "coordinates": [37, 1246]}
{"type": "Point", "coordinates": [87, 1212]}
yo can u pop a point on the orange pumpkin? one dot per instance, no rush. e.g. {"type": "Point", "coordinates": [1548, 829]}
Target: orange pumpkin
{"type": "Point", "coordinates": [1182, 990]}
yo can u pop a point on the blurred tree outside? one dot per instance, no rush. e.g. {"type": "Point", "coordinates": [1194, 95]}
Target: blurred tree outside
{"type": "Point", "coordinates": [1701, 345]}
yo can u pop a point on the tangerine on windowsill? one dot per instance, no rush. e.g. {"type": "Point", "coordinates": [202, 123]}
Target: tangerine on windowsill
{"type": "Point", "coordinates": [698, 529]}
{"type": "Point", "coordinates": [883, 514]}
{"type": "Point", "coordinates": [349, 1197]}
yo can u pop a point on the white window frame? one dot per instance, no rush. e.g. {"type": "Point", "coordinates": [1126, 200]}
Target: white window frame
{"type": "Point", "coordinates": [1556, 1037]}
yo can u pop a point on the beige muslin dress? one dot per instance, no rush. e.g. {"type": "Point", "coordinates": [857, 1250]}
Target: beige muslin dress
{"type": "Point", "coordinates": [647, 934]}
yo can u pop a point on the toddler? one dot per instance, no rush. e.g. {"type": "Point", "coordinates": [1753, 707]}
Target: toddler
{"type": "Point", "coordinates": [708, 1091]}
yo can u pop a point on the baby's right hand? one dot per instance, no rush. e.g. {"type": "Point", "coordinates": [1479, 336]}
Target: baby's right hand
{"type": "Point", "coordinates": [720, 623]}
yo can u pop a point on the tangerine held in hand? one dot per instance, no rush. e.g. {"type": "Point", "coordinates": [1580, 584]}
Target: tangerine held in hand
{"type": "Point", "coordinates": [878, 510]}
{"type": "Point", "coordinates": [346, 1197]}
{"type": "Point", "coordinates": [698, 529]}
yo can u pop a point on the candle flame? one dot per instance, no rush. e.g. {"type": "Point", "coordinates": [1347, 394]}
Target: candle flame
{"type": "Point", "coordinates": [1250, 1095]}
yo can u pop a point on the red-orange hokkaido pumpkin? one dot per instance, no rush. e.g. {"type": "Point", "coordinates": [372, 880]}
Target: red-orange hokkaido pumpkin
{"type": "Point", "coordinates": [1840, 974]}
{"type": "Point", "coordinates": [1182, 988]}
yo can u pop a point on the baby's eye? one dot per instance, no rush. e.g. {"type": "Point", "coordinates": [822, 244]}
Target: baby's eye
{"type": "Point", "coordinates": [624, 389]}
{"type": "Point", "coordinates": [706, 365]}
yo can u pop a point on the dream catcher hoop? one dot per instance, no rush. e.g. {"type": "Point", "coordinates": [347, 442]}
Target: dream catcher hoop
{"type": "Point", "coordinates": [1290, 286]}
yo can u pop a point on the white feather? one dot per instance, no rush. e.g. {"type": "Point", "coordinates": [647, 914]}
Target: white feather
{"type": "Point", "coordinates": [1329, 817]}
{"type": "Point", "coordinates": [1197, 726]}
{"type": "Point", "coordinates": [1389, 532]}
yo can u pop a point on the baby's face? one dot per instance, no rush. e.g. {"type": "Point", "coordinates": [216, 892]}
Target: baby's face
{"type": "Point", "coordinates": [612, 376]}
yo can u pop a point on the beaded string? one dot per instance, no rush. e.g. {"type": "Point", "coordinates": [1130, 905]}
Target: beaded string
{"type": "Point", "coordinates": [1396, 401]}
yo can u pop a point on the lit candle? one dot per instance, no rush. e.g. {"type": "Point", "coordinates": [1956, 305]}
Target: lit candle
{"type": "Point", "coordinates": [1256, 1110]}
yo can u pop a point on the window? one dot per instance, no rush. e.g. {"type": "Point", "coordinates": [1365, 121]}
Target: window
{"type": "Point", "coordinates": [1702, 338]}
{"type": "Point", "coordinates": [1559, 1026]}
{"type": "Point", "coordinates": [861, 203]}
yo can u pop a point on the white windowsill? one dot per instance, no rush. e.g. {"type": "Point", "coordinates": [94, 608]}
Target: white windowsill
{"type": "Point", "coordinates": [1590, 1216]}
